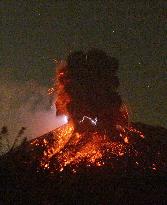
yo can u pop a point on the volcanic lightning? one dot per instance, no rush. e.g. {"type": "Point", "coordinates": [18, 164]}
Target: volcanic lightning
{"type": "Point", "coordinates": [108, 138]}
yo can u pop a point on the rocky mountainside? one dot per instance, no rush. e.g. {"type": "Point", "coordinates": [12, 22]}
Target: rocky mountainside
{"type": "Point", "coordinates": [123, 181]}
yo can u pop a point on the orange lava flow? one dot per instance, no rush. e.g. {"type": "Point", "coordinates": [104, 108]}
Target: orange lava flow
{"type": "Point", "coordinates": [71, 148]}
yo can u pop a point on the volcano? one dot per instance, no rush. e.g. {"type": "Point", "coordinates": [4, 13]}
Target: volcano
{"type": "Point", "coordinates": [80, 169]}
{"type": "Point", "coordinates": [65, 149]}
{"type": "Point", "coordinates": [98, 156]}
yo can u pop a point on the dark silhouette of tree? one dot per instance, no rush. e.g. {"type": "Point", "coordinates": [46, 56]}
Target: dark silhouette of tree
{"type": "Point", "coordinates": [7, 144]}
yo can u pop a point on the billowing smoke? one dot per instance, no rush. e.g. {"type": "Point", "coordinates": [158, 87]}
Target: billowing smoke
{"type": "Point", "coordinates": [26, 105]}
{"type": "Point", "coordinates": [87, 85]}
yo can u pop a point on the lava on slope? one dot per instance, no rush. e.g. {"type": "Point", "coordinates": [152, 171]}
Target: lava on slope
{"type": "Point", "coordinates": [66, 148]}
{"type": "Point", "coordinates": [98, 132]}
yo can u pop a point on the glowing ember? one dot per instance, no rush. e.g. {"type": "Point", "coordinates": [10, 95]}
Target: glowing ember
{"type": "Point", "coordinates": [97, 130]}
{"type": "Point", "coordinates": [92, 148]}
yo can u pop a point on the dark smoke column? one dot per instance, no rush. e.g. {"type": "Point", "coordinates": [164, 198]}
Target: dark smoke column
{"type": "Point", "coordinates": [86, 85]}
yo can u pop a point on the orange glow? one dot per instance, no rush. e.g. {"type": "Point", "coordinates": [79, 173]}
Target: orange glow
{"type": "Point", "coordinates": [62, 98]}
{"type": "Point", "coordinates": [126, 140]}
{"type": "Point", "coordinates": [71, 148]}
{"type": "Point", "coordinates": [93, 147]}
{"type": "Point", "coordinates": [50, 91]}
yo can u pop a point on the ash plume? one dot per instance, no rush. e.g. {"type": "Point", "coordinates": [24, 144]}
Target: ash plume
{"type": "Point", "coordinates": [86, 85]}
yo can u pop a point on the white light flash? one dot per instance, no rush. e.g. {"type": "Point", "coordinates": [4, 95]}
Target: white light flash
{"type": "Point", "coordinates": [93, 121]}
{"type": "Point", "coordinates": [65, 119]}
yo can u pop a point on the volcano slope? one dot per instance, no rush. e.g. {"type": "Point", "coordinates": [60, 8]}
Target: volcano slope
{"type": "Point", "coordinates": [98, 157]}
{"type": "Point", "coordinates": [37, 173]}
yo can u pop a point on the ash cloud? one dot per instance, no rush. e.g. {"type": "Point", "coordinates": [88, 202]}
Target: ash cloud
{"type": "Point", "coordinates": [26, 105]}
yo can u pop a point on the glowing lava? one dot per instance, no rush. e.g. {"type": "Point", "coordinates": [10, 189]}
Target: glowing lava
{"type": "Point", "coordinates": [97, 132]}
{"type": "Point", "coordinates": [69, 147]}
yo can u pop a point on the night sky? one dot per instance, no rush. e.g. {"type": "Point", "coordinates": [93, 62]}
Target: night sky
{"type": "Point", "coordinates": [34, 34]}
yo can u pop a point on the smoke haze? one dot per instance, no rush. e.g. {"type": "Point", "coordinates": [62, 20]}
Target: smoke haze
{"type": "Point", "coordinates": [26, 105]}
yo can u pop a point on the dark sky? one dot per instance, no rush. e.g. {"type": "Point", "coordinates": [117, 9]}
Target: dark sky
{"type": "Point", "coordinates": [34, 33]}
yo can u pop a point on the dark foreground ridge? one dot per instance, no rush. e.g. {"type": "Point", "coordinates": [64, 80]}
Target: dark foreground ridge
{"type": "Point", "coordinates": [23, 181]}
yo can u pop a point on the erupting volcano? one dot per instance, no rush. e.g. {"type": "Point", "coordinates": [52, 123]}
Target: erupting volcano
{"type": "Point", "coordinates": [98, 132]}
{"type": "Point", "coordinates": [98, 156]}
